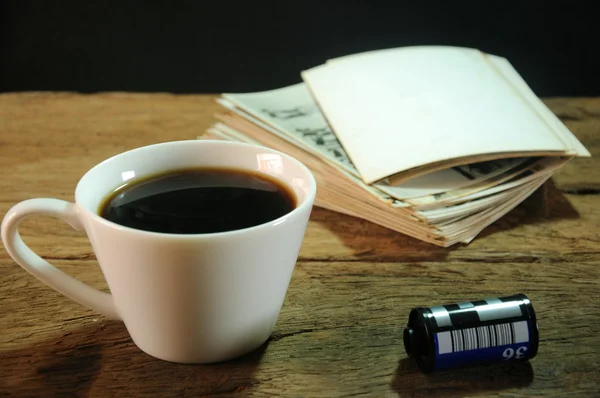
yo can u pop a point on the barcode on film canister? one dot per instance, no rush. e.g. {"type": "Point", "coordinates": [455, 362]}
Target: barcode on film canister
{"type": "Point", "coordinates": [483, 337]}
{"type": "Point", "coordinates": [477, 332]}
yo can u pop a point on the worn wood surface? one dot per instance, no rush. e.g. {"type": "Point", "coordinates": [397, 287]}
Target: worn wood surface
{"type": "Point", "coordinates": [340, 330]}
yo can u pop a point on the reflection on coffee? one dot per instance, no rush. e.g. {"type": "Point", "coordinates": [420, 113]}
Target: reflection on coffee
{"type": "Point", "coordinates": [199, 201]}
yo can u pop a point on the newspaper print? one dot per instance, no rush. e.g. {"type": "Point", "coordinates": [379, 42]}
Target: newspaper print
{"type": "Point", "coordinates": [293, 112]}
{"type": "Point", "coordinates": [520, 175]}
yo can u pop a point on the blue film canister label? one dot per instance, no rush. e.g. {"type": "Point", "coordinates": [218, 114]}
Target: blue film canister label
{"type": "Point", "coordinates": [484, 344]}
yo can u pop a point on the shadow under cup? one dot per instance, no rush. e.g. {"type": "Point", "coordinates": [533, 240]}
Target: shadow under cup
{"type": "Point", "coordinates": [197, 298]}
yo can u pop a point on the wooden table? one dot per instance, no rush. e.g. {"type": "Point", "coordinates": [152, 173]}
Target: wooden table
{"type": "Point", "coordinates": [340, 330]}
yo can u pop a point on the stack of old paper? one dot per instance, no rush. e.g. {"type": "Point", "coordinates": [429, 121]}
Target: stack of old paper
{"type": "Point", "coordinates": [433, 142]}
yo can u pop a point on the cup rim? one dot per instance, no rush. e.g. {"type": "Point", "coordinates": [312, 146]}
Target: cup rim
{"type": "Point", "coordinates": [307, 202]}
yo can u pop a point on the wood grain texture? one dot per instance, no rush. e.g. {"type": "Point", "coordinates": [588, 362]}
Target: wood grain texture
{"type": "Point", "coordinates": [340, 329]}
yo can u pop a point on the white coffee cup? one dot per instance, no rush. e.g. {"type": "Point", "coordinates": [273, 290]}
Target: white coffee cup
{"type": "Point", "coordinates": [184, 298]}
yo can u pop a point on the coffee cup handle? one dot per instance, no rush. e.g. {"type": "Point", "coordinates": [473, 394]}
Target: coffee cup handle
{"type": "Point", "coordinates": [41, 269]}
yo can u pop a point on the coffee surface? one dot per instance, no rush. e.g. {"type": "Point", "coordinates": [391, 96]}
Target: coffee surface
{"type": "Point", "coordinates": [199, 201]}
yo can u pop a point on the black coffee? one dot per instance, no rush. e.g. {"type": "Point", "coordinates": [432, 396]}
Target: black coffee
{"type": "Point", "coordinates": [198, 201]}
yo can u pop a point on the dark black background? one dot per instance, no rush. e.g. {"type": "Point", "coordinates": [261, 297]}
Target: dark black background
{"type": "Point", "coordinates": [217, 46]}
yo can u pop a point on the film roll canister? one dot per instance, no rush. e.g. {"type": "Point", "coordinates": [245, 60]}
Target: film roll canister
{"type": "Point", "coordinates": [472, 333]}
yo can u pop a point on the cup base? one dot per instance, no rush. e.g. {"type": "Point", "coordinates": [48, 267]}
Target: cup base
{"type": "Point", "coordinates": [204, 358]}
